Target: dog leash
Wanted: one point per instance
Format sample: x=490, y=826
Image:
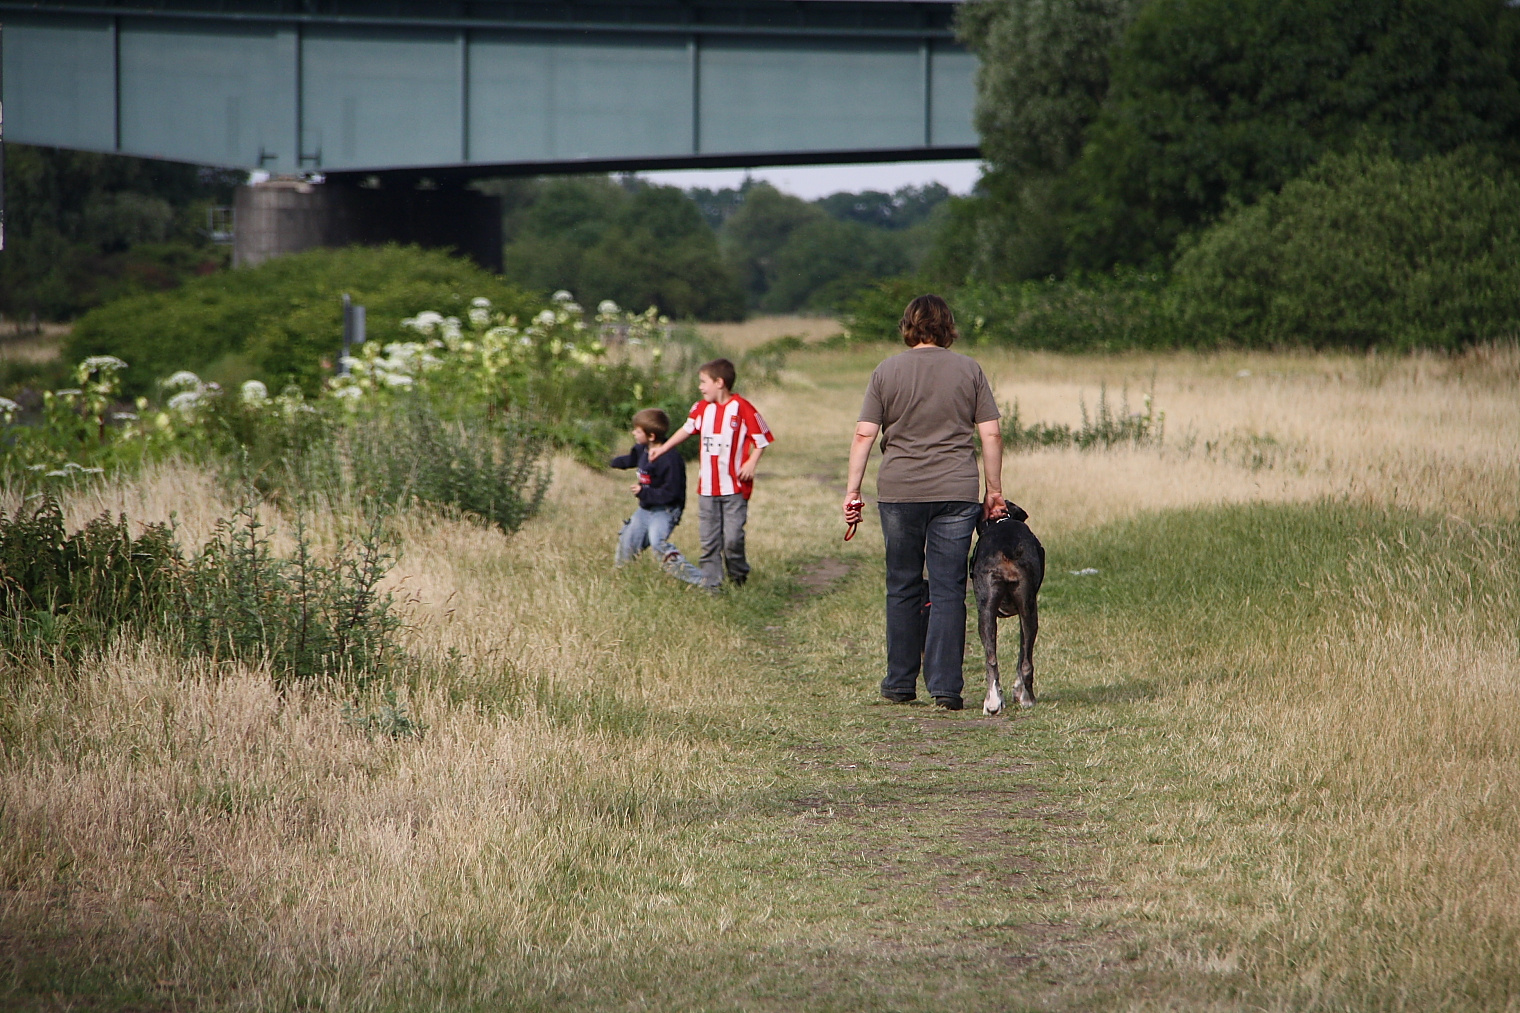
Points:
x=850, y=526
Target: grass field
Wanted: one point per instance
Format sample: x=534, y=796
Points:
x=1273, y=766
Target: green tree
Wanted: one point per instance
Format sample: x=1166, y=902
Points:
x=1364, y=249
x=1212, y=105
x=1042, y=76
x=83, y=228
x=661, y=252
x=636, y=244
x=756, y=233
x=902, y=209
x=825, y=262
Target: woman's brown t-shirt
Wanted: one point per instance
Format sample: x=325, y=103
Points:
x=928, y=402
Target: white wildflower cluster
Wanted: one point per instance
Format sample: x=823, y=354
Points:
x=188, y=393
x=69, y=470
x=487, y=350
x=8, y=409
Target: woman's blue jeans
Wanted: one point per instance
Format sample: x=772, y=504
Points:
x=926, y=619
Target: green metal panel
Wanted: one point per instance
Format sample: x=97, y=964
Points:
x=381, y=97
x=805, y=95
x=60, y=81
x=952, y=97
x=223, y=94
x=545, y=98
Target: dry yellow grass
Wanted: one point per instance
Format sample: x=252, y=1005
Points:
x=32, y=348
x=741, y=337
x=1334, y=813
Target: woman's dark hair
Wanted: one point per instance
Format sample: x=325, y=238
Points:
x=928, y=318
x=720, y=369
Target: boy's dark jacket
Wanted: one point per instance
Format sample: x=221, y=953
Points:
x=662, y=483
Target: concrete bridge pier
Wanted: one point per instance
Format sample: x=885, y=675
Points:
x=288, y=215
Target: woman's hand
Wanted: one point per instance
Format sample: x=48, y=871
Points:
x=656, y=451
x=993, y=505
x=853, y=507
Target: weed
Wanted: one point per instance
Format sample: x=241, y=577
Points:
x=390, y=719
x=61, y=593
x=1103, y=429
x=304, y=617
x=492, y=469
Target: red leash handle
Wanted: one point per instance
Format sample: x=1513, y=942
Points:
x=849, y=525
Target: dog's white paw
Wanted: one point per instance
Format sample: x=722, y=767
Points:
x=993, y=705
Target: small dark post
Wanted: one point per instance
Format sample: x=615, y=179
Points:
x=348, y=334
x=353, y=331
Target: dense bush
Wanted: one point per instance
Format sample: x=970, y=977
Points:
x=1213, y=104
x=407, y=452
x=62, y=593
x=1097, y=313
x=280, y=321
x=1363, y=250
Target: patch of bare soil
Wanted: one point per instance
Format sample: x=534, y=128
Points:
x=820, y=577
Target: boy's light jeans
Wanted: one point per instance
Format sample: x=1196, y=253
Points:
x=650, y=528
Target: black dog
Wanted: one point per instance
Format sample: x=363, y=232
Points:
x=1007, y=568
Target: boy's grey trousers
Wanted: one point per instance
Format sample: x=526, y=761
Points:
x=721, y=521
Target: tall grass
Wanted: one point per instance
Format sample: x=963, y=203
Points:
x=1275, y=742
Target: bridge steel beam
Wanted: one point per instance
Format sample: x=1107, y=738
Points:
x=452, y=89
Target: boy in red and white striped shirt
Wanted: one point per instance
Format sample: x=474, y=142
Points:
x=733, y=438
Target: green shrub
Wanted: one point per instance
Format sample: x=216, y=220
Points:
x=1096, y=313
x=1103, y=429
x=491, y=468
x=302, y=616
x=281, y=320
x=874, y=312
x=1105, y=313
x=1363, y=250
x=61, y=593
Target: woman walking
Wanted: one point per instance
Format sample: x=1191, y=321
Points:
x=929, y=404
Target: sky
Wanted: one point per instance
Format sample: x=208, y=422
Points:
x=813, y=181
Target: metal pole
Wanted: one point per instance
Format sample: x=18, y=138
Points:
x=348, y=334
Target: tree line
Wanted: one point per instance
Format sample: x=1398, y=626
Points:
x=711, y=255
x=1325, y=172
x=85, y=229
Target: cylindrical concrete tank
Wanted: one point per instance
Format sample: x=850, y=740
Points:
x=279, y=217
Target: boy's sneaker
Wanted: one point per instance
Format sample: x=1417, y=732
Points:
x=949, y=703
x=899, y=697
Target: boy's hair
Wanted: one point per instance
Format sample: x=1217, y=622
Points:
x=653, y=421
x=720, y=369
x=928, y=318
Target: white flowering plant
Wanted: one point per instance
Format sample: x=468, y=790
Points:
x=562, y=374
x=577, y=376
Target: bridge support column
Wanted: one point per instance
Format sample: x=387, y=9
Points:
x=287, y=216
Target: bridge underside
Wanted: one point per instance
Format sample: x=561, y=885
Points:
x=462, y=88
